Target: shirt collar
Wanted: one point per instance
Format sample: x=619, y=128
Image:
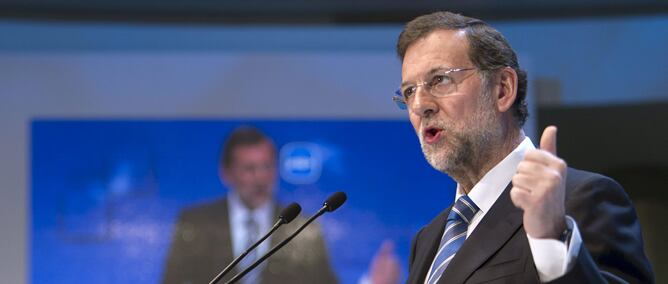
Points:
x=494, y=182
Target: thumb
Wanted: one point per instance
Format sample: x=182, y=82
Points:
x=548, y=141
x=387, y=247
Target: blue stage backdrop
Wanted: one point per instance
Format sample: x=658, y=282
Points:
x=106, y=193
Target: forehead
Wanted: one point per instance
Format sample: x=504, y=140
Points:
x=253, y=152
x=439, y=49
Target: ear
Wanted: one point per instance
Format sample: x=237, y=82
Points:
x=507, y=91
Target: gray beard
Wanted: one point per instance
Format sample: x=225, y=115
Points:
x=464, y=150
x=450, y=162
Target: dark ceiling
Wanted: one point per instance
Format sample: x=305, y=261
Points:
x=316, y=11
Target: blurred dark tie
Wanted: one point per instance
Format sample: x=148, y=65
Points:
x=252, y=233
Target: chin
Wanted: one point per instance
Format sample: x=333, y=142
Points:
x=260, y=202
x=442, y=158
x=438, y=161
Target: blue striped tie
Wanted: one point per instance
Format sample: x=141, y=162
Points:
x=454, y=236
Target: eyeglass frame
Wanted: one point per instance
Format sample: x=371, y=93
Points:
x=400, y=99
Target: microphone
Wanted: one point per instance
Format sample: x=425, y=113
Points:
x=286, y=215
x=332, y=203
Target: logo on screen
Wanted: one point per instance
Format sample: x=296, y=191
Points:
x=300, y=162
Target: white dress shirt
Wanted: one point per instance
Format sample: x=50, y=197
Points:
x=552, y=258
x=238, y=214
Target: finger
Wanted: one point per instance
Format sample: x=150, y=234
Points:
x=539, y=156
x=539, y=170
x=532, y=184
x=519, y=196
x=386, y=248
x=548, y=141
x=543, y=179
x=529, y=166
x=546, y=159
x=524, y=182
x=540, y=161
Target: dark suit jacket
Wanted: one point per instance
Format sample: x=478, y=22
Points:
x=498, y=250
x=202, y=247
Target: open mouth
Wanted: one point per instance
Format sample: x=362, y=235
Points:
x=432, y=135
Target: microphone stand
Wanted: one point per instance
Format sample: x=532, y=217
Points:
x=277, y=247
x=247, y=251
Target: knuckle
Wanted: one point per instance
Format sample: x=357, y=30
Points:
x=554, y=178
x=522, y=168
x=562, y=165
x=515, y=197
x=529, y=167
x=551, y=181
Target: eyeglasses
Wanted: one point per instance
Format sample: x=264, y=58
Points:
x=440, y=84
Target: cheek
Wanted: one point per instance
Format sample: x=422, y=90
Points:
x=271, y=176
x=415, y=121
x=460, y=111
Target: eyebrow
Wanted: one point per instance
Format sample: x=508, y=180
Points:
x=430, y=73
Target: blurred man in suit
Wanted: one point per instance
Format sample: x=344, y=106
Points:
x=520, y=214
x=208, y=237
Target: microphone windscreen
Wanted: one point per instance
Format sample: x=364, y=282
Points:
x=290, y=212
x=335, y=201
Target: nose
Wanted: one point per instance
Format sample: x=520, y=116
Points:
x=423, y=103
x=263, y=172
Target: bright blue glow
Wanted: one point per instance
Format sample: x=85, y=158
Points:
x=105, y=194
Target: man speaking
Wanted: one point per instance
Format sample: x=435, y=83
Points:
x=209, y=236
x=520, y=215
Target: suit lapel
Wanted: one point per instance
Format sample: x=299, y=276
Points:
x=221, y=239
x=494, y=230
x=427, y=246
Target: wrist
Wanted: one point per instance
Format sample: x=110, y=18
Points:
x=553, y=230
x=559, y=230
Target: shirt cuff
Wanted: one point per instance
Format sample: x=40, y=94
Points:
x=554, y=258
x=365, y=279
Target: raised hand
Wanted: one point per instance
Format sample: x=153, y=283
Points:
x=539, y=188
x=385, y=267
